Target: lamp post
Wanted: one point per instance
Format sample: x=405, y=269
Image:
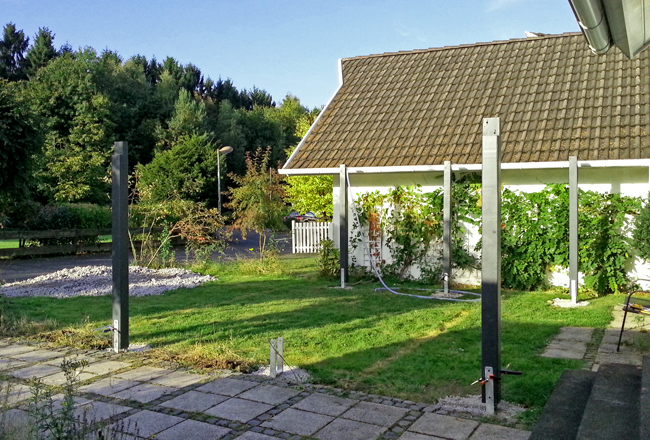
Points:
x=222, y=150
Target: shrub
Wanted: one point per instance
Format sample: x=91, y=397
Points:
x=329, y=260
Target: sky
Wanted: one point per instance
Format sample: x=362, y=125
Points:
x=281, y=46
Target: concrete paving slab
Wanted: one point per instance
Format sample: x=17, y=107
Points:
x=228, y=387
x=575, y=333
x=269, y=394
x=143, y=374
x=8, y=363
x=146, y=423
x=96, y=411
x=416, y=436
x=39, y=356
x=375, y=413
x=349, y=430
x=255, y=436
x=14, y=349
x=444, y=426
x=298, y=422
x=562, y=354
x=17, y=393
x=191, y=429
x=57, y=361
x=105, y=367
x=179, y=379
x=59, y=379
x=38, y=371
x=238, y=409
x=325, y=404
x=496, y=432
x=108, y=386
x=195, y=401
x=144, y=392
x=17, y=424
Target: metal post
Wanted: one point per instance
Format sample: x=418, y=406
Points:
x=446, y=227
x=219, y=181
x=491, y=255
x=573, y=229
x=343, y=224
x=120, y=246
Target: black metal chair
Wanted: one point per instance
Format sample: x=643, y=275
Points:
x=634, y=305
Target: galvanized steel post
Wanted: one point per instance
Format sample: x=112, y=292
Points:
x=343, y=224
x=573, y=228
x=446, y=227
x=120, y=246
x=491, y=255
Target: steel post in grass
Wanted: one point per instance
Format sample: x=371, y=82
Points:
x=446, y=226
x=120, y=246
x=573, y=228
x=491, y=255
x=343, y=224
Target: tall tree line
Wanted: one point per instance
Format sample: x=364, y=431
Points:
x=62, y=109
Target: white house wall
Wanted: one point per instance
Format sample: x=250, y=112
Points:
x=630, y=181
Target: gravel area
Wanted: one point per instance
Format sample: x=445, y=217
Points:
x=97, y=281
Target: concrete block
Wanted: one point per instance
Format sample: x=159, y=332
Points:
x=444, y=426
x=59, y=379
x=105, y=367
x=191, y=429
x=8, y=363
x=99, y=411
x=143, y=374
x=227, y=387
x=255, y=436
x=11, y=350
x=350, y=430
x=38, y=355
x=238, y=409
x=108, y=386
x=194, y=401
x=269, y=394
x=491, y=432
x=179, y=379
x=38, y=371
x=145, y=423
x=325, y=404
x=144, y=392
x=375, y=413
x=298, y=422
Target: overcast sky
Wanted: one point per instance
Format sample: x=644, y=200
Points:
x=282, y=46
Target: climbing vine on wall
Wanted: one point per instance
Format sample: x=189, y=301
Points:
x=411, y=222
x=535, y=232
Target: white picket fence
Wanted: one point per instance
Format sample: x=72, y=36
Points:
x=306, y=237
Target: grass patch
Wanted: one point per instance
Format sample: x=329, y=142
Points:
x=357, y=339
x=9, y=244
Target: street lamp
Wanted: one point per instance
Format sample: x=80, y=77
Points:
x=222, y=150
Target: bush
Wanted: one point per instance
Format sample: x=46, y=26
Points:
x=641, y=235
x=329, y=260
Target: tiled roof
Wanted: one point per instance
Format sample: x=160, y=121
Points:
x=554, y=97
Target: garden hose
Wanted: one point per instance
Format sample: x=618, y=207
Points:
x=392, y=290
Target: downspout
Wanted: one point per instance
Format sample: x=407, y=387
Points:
x=592, y=21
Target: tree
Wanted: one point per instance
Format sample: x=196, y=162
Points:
x=19, y=142
x=41, y=52
x=309, y=193
x=12, y=53
x=187, y=171
x=258, y=202
x=79, y=129
x=641, y=234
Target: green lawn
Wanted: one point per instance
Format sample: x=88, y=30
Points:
x=358, y=339
x=8, y=244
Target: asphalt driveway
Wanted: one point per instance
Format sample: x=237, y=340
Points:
x=26, y=268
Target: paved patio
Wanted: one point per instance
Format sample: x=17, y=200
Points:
x=136, y=401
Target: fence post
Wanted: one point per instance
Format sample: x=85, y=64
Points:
x=120, y=247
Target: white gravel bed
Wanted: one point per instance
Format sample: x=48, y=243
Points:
x=98, y=280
